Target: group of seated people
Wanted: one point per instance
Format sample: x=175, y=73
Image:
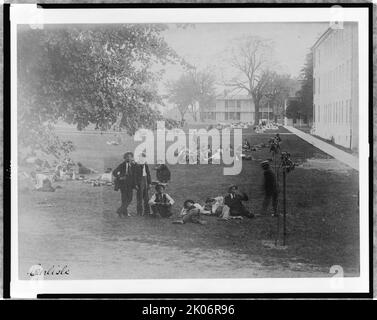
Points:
x=225, y=208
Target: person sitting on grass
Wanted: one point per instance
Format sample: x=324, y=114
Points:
x=161, y=202
x=191, y=213
x=246, y=145
x=234, y=200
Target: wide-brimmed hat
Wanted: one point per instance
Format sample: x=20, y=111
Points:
x=231, y=187
x=159, y=185
x=265, y=164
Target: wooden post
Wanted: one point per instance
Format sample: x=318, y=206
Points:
x=284, y=205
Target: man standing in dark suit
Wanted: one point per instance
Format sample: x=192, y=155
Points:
x=142, y=182
x=270, y=188
x=125, y=182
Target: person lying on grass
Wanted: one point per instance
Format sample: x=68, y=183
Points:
x=234, y=200
x=42, y=182
x=161, y=202
x=214, y=206
x=84, y=170
x=191, y=213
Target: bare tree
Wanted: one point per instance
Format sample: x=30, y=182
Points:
x=251, y=57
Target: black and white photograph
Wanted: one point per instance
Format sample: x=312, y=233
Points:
x=197, y=150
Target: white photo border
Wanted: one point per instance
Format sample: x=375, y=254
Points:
x=31, y=14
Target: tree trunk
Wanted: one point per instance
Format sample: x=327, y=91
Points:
x=256, y=118
x=201, y=115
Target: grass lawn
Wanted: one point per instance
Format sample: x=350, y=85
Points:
x=78, y=226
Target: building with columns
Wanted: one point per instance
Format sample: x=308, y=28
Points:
x=231, y=108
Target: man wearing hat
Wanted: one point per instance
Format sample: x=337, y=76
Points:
x=161, y=202
x=143, y=181
x=234, y=200
x=124, y=176
x=270, y=188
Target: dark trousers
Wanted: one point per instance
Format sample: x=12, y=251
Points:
x=241, y=211
x=193, y=215
x=164, y=210
x=143, y=197
x=266, y=202
x=126, y=196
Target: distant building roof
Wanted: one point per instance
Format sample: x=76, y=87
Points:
x=234, y=97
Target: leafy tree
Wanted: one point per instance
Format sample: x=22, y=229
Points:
x=294, y=109
x=306, y=92
x=278, y=90
x=88, y=75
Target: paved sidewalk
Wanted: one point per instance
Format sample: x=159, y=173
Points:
x=338, y=154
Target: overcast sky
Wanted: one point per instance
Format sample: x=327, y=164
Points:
x=204, y=44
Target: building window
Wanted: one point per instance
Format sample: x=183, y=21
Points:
x=332, y=113
x=226, y=104
x=350, y=111
x=238, y=104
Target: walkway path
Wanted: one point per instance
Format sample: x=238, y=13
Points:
x=338, y=154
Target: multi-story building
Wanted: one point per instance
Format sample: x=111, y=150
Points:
x=335, y=86
x=231, y=108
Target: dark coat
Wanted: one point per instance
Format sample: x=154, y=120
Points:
x=270, y=186
x=235, y=204
x=163, y=173
x=139, y=174
x=123, y=179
